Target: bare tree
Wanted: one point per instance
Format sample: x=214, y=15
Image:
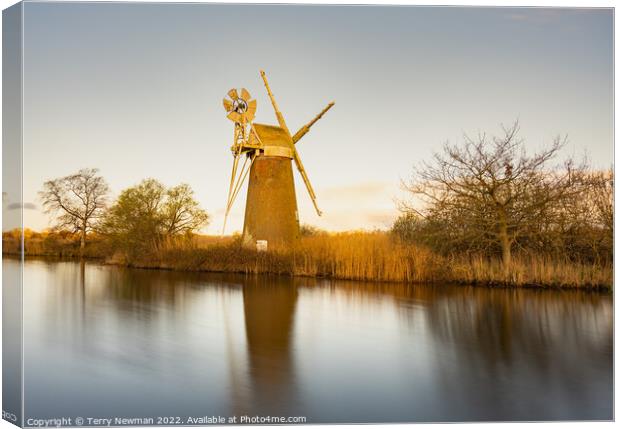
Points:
x=78, y=200
x=585, y=224
x=603, y=199
x=489, y=192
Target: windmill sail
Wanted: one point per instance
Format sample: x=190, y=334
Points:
x=304, y=130
x=296, y=138
x=304, y=176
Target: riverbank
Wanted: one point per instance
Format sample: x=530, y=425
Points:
x=366, y=256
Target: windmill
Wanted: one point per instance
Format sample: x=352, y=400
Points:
x=264, y=153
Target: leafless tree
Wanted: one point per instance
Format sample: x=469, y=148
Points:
x=603, y=199
x=585, y=224
x=489, y=192
x=77, y=200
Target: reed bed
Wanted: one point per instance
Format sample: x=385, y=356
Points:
x=532, y=271
x=366, y=256
x=375, y=256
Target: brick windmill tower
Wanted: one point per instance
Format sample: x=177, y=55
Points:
x=267, y=151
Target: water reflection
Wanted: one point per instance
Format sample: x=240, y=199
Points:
x=269, y=310
x=108, y=341
x=517, y=347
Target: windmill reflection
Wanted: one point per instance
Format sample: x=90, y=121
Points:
x=269, y=306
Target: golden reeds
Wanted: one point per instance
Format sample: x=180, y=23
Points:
x=372, y=256
x=375, y=256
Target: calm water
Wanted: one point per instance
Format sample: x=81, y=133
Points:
x=103, y=341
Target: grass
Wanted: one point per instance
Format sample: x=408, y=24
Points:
x=371, y=256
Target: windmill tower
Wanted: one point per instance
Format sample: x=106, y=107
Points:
x=267, y=151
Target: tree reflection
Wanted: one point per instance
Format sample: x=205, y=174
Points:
x=507, y=348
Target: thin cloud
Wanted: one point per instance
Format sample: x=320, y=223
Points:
x=346, y=220
x=544, y=15
x=25, y=206
x=516, y=17
x=363, y=190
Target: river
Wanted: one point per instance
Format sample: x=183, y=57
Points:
x=103, y=341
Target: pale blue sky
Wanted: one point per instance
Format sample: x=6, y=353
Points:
x=135, y=90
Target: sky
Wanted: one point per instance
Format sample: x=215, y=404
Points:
x=136, y=91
